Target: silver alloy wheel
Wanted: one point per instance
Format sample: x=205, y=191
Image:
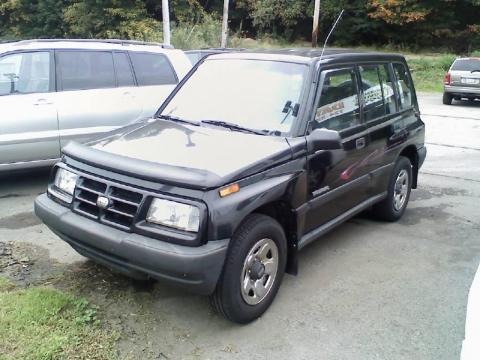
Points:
x=401, y=190
x=259, y=271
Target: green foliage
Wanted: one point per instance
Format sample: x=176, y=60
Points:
x=410, y=24
x=41, y=323
x=31, y=18
x=110, y=19
x=428, y=71
x=188, y=35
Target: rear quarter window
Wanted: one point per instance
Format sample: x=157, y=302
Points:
x=152, y=69
x=404, y=86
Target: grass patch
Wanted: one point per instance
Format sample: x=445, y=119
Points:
x=428, y=71
x=42, y=323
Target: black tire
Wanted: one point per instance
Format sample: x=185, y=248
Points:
x=227, y=299
x=387, y=209
x=447, y=99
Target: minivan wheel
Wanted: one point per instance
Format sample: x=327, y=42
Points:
x=399, y=187
x=447, y=99
x=253, y=270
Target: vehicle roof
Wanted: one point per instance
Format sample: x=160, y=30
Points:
x=308, y=55
x=468, y=58
x=213, y=50
x=92, y=44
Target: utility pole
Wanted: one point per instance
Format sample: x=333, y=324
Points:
x=225, y=24
x=316, y=15
x=166, y=22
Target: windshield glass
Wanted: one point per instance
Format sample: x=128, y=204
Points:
x=256, y=94
x=466, y=65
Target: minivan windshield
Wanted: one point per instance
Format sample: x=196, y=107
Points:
x=255, y=94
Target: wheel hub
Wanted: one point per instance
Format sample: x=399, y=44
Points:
x=257, y=270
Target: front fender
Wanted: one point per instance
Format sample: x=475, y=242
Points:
x=226, y=214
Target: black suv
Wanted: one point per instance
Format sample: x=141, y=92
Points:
x=251, y=158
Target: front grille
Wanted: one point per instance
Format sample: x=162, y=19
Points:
x=123, y=203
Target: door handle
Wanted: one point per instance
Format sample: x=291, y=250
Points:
x=360, y=143
x=129, y=94
x=42, y=102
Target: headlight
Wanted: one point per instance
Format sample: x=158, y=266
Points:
x=64, y=185
x=174, y=214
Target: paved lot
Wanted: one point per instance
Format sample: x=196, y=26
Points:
x=367, y=290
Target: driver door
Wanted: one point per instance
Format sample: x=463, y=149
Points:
x=338, y=181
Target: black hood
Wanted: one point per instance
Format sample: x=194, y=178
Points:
x=186, y=155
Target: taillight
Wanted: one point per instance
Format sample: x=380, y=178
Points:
x=448, y=79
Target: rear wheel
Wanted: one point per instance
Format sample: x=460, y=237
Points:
x=399, y=187
x=253, y=270
x=447, y=99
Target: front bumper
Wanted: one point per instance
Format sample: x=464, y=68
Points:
x=195, y=268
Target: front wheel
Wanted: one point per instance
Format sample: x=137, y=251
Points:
x=398, y=194
x=253, y=270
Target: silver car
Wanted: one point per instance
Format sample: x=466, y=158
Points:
x=462, y=80
x=54, y=91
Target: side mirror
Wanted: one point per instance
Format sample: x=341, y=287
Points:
x=324, y=139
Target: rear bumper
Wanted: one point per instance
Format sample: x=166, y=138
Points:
x=194, y=268
x=462, y=91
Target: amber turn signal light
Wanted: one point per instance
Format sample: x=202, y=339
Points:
x=231, y=189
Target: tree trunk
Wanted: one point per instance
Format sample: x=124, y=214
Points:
x=166, y=22
x=316, y=15
x=225, y=24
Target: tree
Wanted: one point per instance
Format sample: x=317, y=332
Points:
x=111, y=19
x=31, y=18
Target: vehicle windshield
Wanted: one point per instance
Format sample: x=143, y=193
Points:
x=466, y=65
x=255, y=94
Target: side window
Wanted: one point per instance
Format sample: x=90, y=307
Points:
x=152, y=69
x=404, y=85
x=378, y=92
x=123, y=69
x=338, y=107
x=82, y=70
x=25, y=73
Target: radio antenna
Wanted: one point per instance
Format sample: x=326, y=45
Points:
x=331, y=31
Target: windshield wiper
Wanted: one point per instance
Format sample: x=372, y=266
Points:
x=177, y=119
x=474, y=71
x=233, y=126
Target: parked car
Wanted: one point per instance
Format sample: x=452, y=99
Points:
x=54, y=91
x=196, y=55
x=462, y=81
x=247, y=162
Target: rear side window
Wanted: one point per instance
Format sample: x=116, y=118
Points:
x=404, y=85
x=25, y=73
x=466, y=65
x=82, y=70
x=152, y=69
x=123, y=70
x=338, y=107
x=377, y=86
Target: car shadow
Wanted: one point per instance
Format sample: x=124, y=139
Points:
x=22, y=183
x=466, y=103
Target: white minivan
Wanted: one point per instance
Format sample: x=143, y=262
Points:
x=54, y=91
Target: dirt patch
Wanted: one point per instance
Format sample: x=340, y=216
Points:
x=426, y=193
x=8, y=196
x=19, y=221
x=26, y=264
